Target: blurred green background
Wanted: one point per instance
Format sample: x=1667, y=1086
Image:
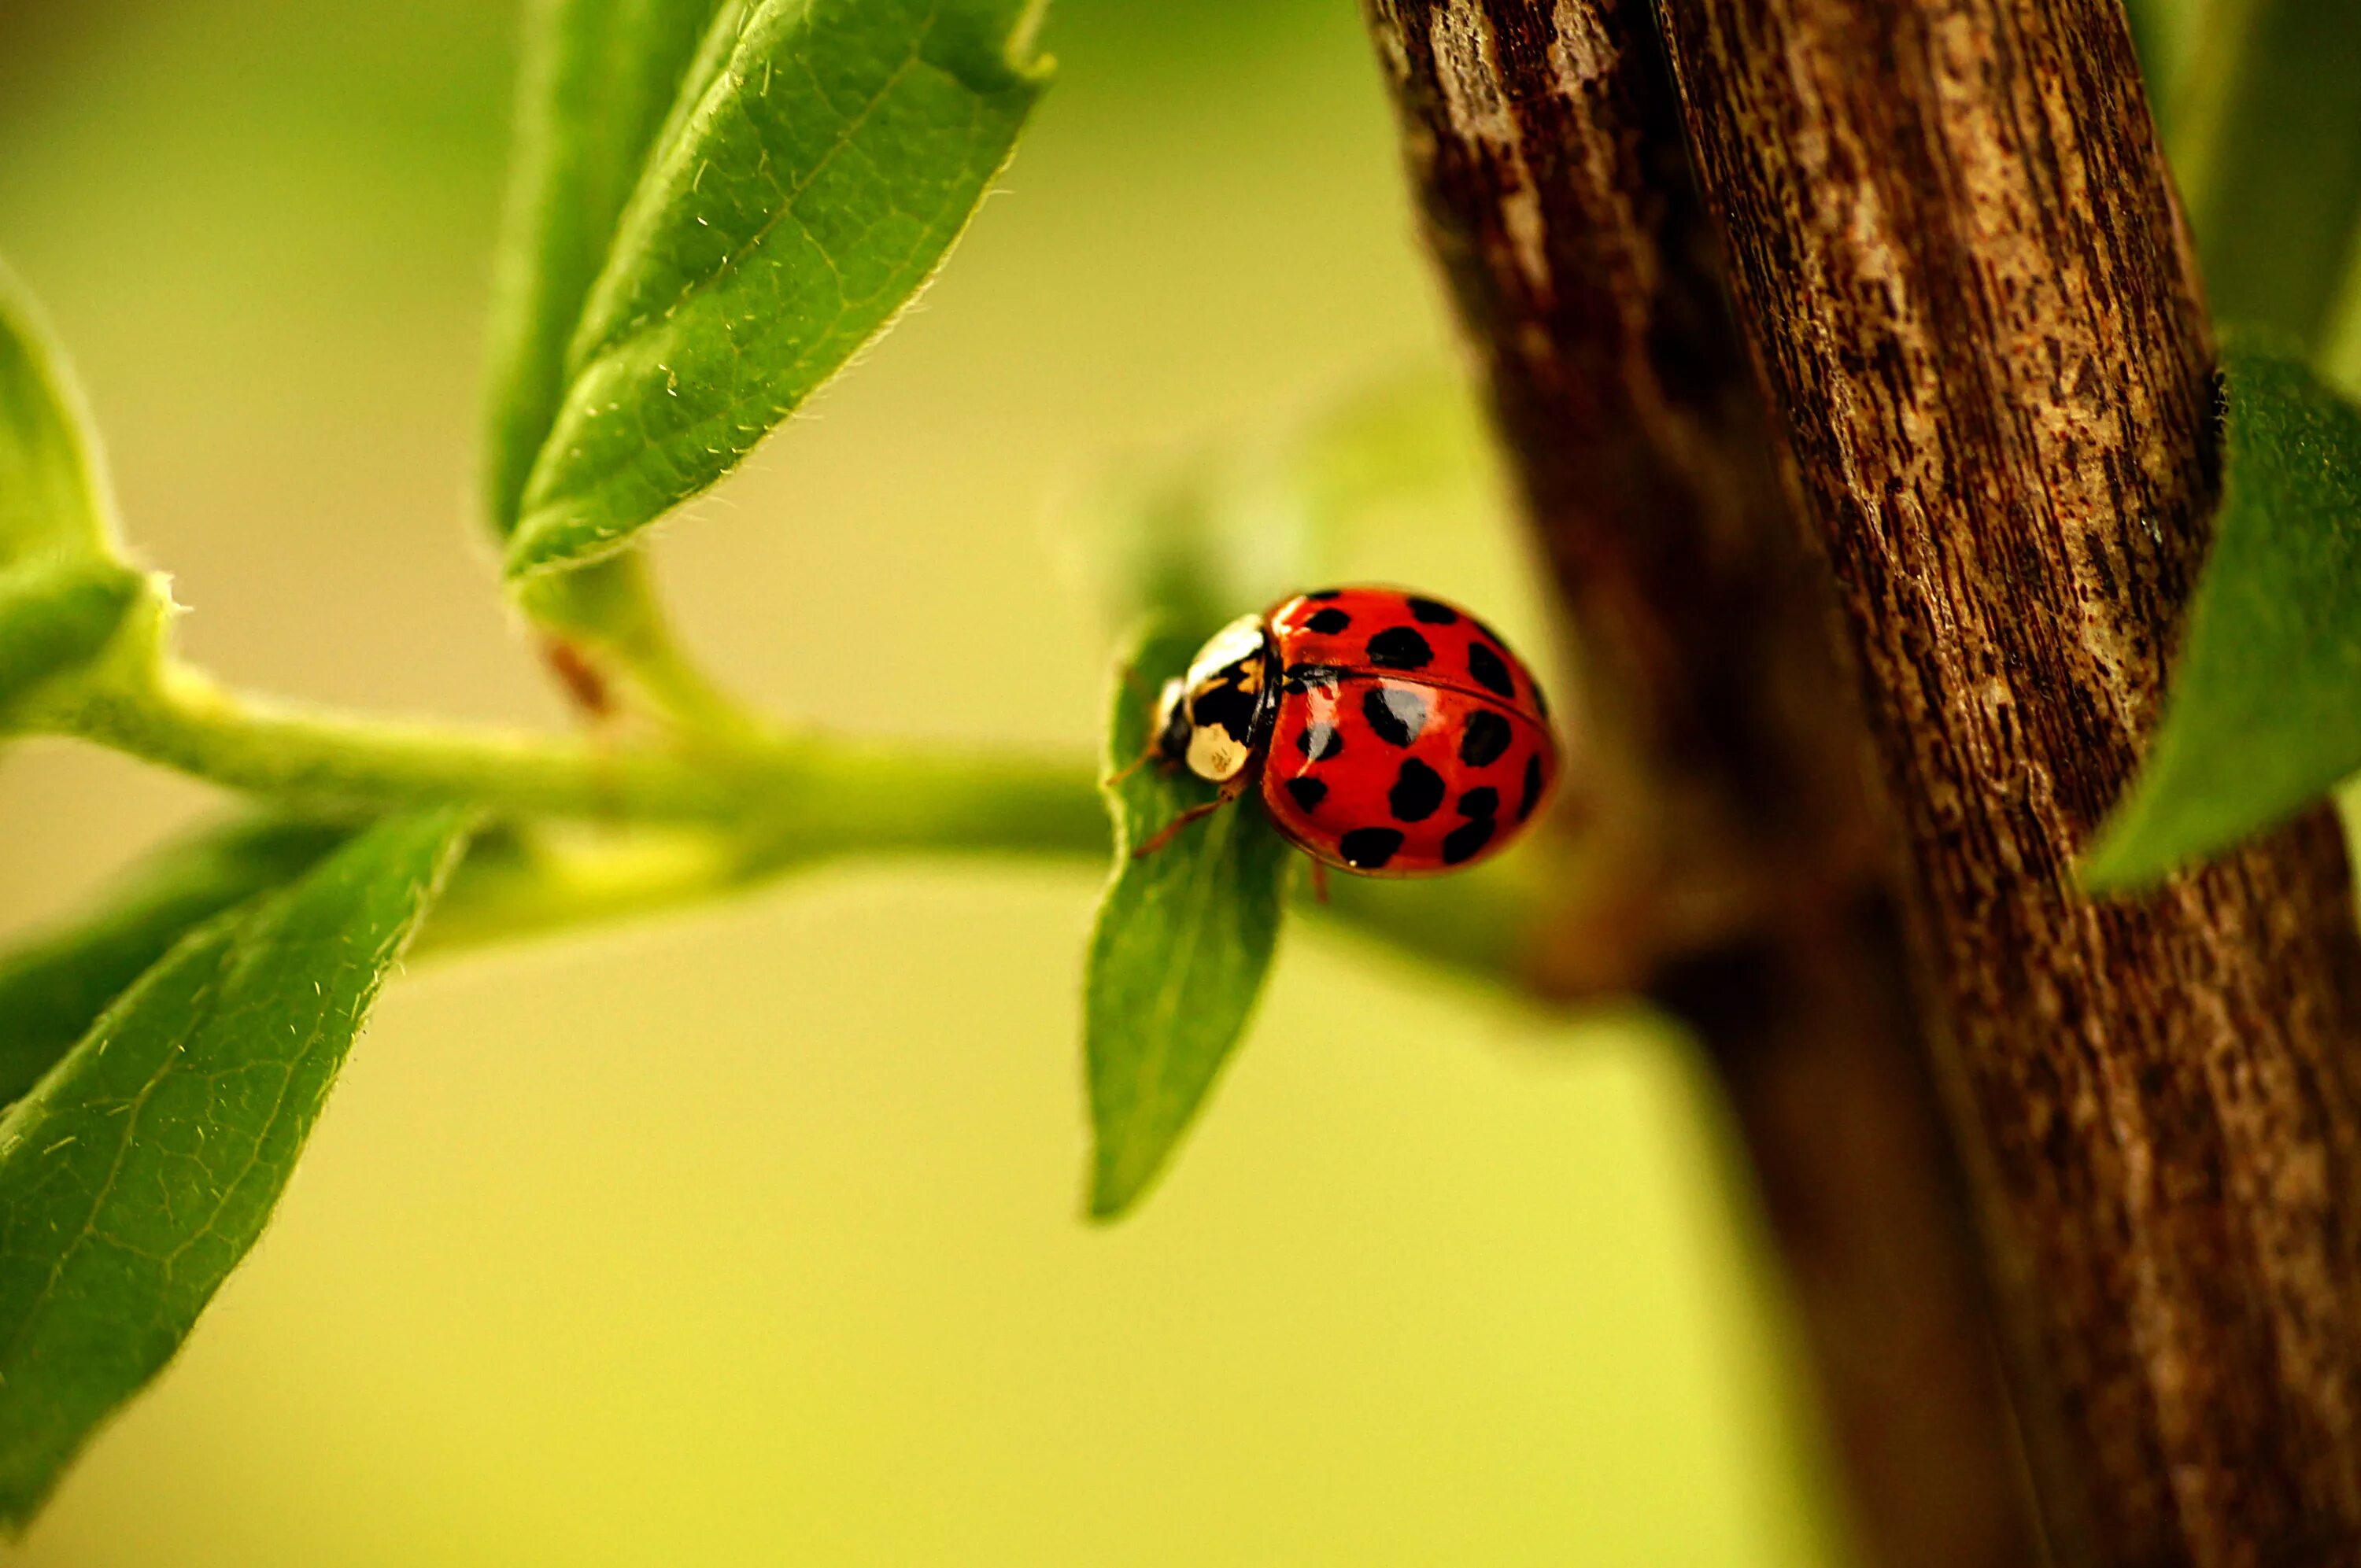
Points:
x=751, y=1236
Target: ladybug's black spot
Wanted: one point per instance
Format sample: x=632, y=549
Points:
x=1232, y=708
x=1319, y=742
x=1396, y=713
x=1323, y=593
x=1417, y=794
x=1487, y=736
x=1366, y=849
x=1480, y=802
x=1533, y=795
x=1329, y=621
x=1308, y=793
x=1300, y=678
x=1464, y=841
x=1429, y=611
x=1399, y=648
x=1487, y=668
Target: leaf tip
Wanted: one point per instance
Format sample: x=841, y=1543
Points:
x=1116, y=1187
x=2140, y=842
x=2114, y=866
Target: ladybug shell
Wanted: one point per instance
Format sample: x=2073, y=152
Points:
x=1405, y=740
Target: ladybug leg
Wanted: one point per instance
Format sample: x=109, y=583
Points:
x=1165, y=834
x=1319, y=880
x=1231, y=790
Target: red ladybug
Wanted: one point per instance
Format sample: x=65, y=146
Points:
x=1392, y=734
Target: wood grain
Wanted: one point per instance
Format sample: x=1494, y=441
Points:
x=1969, y=295
x=1737, y=873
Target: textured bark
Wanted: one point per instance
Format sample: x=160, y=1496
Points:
x=1966, y=284
x=1739, y=874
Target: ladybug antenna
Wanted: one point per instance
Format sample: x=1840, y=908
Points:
x=1131, y=767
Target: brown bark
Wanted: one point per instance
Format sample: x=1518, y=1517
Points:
x=1739, y=874
x=1963, y=275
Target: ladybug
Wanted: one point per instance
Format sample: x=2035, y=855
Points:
x=1391, y=734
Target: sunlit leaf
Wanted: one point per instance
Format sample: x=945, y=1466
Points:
x=64, y=592
x=1183, y=940
x=53, y=987
x=140, y=1171
x=816, y=185
x=599, y=80
x=2264, y=713
x=53, y=500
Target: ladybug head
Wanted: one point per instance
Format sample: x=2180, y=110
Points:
x=1212, y=719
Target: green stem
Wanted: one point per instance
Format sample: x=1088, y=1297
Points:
x=776, y=788
x=530, y=880
x=612, y=609
x=637, y=831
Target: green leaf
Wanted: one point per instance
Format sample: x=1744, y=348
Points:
x=2265, y=709
x=599, y=79
x=2269, y=151
x=58, y=614
x=815, y=186
x=53, y=498
x=1183, y=940
x=54, y=988
x=64, y=590
x=140, y=1171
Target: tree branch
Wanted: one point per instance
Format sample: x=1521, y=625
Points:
x=1959, y=258
x=1743, y=880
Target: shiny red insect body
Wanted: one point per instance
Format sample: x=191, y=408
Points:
x=1390, y=734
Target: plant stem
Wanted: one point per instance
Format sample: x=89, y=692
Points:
x=804, y=789
x=613, y=610
x=640, y=830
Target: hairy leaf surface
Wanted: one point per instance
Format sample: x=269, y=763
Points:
x=814, y=186
x=139, y=1171
x=1184, y=940
x=599, y=79
x=53, y=989
x=2265, y=710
